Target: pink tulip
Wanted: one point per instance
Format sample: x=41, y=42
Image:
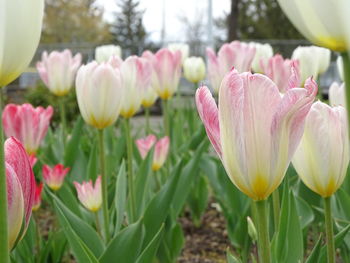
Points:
x=90, y=196
x=161, y=149
x=255, y=130
x=58, y=69
x=235, y=54
x=280, y=70
x=26, y=123
x=20, y=189
x=32, y=160
x=166, y=71
x=54, y=177
x=37, y=196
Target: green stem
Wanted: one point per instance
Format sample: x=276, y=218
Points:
x=329, y=230
x=158, y=183
x=147, y=115
x=63, y=119
x=4, y=238
x=263, y=232
x=98, y=227
x=276, y=208
x=130, y=169
x=104, y=185
x=346, y=69
x=165, y=104
x=38, y=237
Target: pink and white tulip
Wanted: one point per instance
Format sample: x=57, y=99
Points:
x=27, y=124
x=255, y=130
x=20, y=189
x=322, y=158
x=54, y=177
x=166, y=73
x=183, y=48
x=37, y=196
x=99, y=93
x=136, y=78
x=336, y=94
x=280, y=71
x=235, y=54
x=161, y=149
x=32, y=160
x=58, y=69
x=89, y=195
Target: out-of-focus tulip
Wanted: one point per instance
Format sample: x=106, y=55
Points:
x=235, y=54
x=322, y=158
x=183, y=48
x=255, y=130
x=58, y=70
x=166, y=72
x=105, y=52
x=26, y=123
x=322, y=21
x=54, y=177
x=90, y=196
x=136, y=77
x=37, y=197
x=32, y=160
x=340, y=67
x=336, y=94
x=194, y=69
x=262, y=53
x=161, y=149
x=149, y=96
x=20, y=189
x=281, y=70
x=19, y=37
x=99, y=94
x=312, y=61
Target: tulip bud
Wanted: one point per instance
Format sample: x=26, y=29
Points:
x=262, y=53
x=99, y=94
x=252, y=230
x=20, y=29
x=54, y=177
x=32, y=160
x=27, y=124
x=322, y=158
x=312, y=61
x=336, y=94
x=58, y=69
x=90, y=196
x=183, y=48
x=37, y=196
x=194, y=69
x=104, y=53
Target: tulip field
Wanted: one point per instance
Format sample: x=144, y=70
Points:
x=257, y=145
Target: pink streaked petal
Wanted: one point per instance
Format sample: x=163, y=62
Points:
x=144, y=145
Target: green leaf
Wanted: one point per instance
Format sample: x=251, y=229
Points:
x=71, y=146
x=315, y=253
x=304, y=211
x=231, y=258
x=126, y=245
x=149, y=253
x=120, y=197
x=92, y=166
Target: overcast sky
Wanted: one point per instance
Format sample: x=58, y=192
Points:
x=173, y=9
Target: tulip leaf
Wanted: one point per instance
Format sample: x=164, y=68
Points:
x=304, y=211
x=126, y=245
x=92, y=165
x=72, y=144
x=150, y=251
x=315, y=253
x=231, y=258
x=120, y=197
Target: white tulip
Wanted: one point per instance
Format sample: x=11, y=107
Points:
x=336, y=94
x=262, y=53
x=194, y=69
x=340, y=67
x=105, y=52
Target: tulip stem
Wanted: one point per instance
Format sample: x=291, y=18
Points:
x=263, y=232
x=63, y=119
x=346, y=69
x=4, y=239
x=147, y=116
x=98, y=227
x=276, y=208
x=130, y=170
x=165, y=104
x=104, y=185
x=329, y=230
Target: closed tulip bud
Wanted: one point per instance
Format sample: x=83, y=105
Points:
x=194, y=69
x=262, y=53
x=54, y=177
x=340, y=67
x=322, y=158
x=99, y=94
x=105, y=52
x=166, y=72
x=281, y=71
x=20, y=29
x=312, y=61
x=255, y=130
x=252, y=230
x=32, y=160
x=235, y=54
x=136, y=77
x=27, y=124
x=37, y=197
x=58, y=70
x=20, y=189
x=161, y=149
x=183, y=48
x=336, y=94
x=89, y=195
